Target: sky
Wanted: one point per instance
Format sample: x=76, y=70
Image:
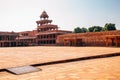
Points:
x=21, y=15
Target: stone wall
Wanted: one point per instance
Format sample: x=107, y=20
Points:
x=89, y=38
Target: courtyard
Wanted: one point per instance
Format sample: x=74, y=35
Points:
x=94, y=69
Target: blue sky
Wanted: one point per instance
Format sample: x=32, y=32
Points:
x=21, y=15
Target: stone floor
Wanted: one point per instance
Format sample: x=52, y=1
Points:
x=96, y=69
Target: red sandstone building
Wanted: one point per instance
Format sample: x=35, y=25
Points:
x=8, y=39
x=46, y=34
x=106, y=38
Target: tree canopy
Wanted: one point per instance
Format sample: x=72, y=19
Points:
x=107, y=27
x=80, y=30
x=84, y=30
x=95, y=29
x=77, y=30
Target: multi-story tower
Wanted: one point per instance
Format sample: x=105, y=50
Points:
x=47, y=32
x=45, y=24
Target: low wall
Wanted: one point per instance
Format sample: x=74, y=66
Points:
x=89, y=38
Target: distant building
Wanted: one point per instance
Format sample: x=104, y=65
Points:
x=8, y=39
x=45, y=34
x=27, y=38
x=105, y=38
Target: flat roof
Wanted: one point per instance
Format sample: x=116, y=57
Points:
x=88, y=69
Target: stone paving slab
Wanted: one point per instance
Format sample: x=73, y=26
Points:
x=21, y=56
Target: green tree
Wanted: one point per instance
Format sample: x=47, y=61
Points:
x=103, y=29
x=95, y=29
x=109, y=27
x=77, y=30
x=84, y=30
x=91, y=29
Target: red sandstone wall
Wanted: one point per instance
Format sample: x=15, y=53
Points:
x=90, y=38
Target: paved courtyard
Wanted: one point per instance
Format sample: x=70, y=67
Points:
x=96, y=69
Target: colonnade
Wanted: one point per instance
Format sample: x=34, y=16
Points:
x=112, y=40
